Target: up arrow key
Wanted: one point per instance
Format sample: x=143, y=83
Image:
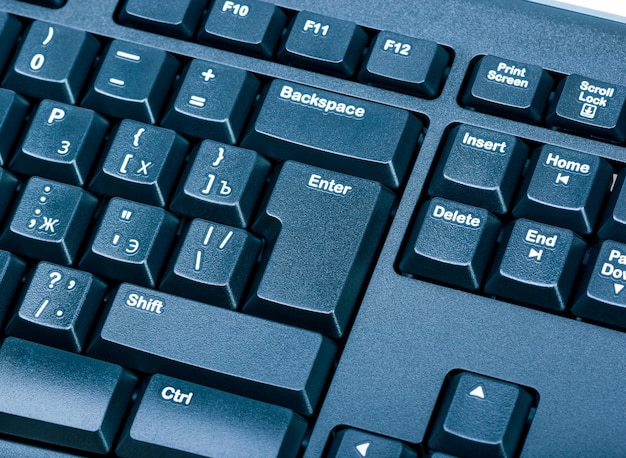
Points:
x=363, y=448
x=478, y=392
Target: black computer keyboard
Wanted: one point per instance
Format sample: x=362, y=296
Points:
x=320, y=229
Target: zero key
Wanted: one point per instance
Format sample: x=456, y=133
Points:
x=323, y=228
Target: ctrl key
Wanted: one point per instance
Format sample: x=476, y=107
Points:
x=195, y=420
x=480, y=416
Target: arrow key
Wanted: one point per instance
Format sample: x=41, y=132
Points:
x=564, y=187
x=602, y=296
x=480, y=416
x=353, y=443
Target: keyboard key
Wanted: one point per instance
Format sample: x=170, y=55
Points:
x=565, y=188
x=212, y=264
x=479, y=167
x=252, y=27
x=323, y=43
x=141, y=163
x=211, y=423
x=155, y=332
x=352, y=443
x=405, y=64
x=591, y=107
x=212, y=102
x=508, y=88
x=451, y=243
x=221, y=183
x=131, y=242
x=11, y=269
x=602, y=297
x=613, y=223
x=61, y=143
x=480, y=416
x=58, y=307
x=61, y=398
x=10, y=448
x=322, y=229
x=177, y=18
x=50, y=221
x=9, y=30
x=334, y=131
x=53, y=62
x=48, y=3
x=536, y=264
x=12, y=112
x=133, y=82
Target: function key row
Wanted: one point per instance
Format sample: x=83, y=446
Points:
x=517, y=90
x=540, y=210
x=308, y=40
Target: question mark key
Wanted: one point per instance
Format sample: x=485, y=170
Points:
x=58, y=307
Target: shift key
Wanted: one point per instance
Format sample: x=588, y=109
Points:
x=334, y=131
x=154, y=332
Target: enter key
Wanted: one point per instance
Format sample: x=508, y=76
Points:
x=323, y=229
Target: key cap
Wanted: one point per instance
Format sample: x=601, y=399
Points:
x=536, y=264
x=155, y=332
x=58, y=307
x=208, y=423
x=590, y=107
x=12, y=112
x=451, y=243
x=11, y=269
x=352, y=443
x=212, y=102
x=252, y=27
x=343, y=134
x=613, y=223
x=61, y=398
x=479, y=167
x=212, y=264
x=131, y=242
x=50, y=221
x=177, y=18
x=133, y=82
x=53, y=62
x=406, y=64
x=61, y=143
x=322, y=229
x=141, y=163
x=601, y=296
x=9, y=30
x=10, y=448
x=480, y=416
x=564, y=187
x=509, y=88
x=323, y=43
x=222, y=183
x=8, y=183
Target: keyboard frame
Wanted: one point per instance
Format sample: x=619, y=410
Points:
x=416, y=332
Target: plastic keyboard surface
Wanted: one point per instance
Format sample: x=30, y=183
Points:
x=311, y=228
